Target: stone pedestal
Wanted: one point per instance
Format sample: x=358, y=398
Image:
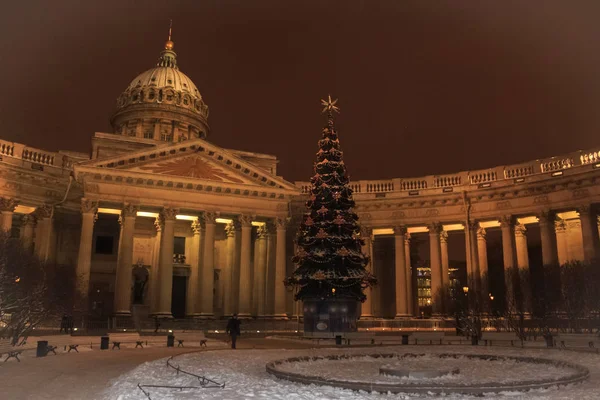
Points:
x=330, y=315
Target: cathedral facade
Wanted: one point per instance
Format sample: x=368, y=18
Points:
x=159, y=221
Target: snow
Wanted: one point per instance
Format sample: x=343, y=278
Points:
x=245, y=376
x=366, y=369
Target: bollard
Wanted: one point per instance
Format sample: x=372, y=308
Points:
x=104, y=343
x=42, y=348
x=338, y=340
x=170, y=341
x=474, y=340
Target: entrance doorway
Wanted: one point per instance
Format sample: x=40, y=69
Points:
x=178, y=296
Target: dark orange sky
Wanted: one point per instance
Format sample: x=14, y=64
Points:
x=425, y=87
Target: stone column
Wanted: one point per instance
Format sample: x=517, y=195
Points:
x=154, y=273
x=482, y=251
x=261, y=270
x=165, y=267
x=208, y=266
x=27, y=226
x=43, y=230
x=245, y=295
x=400, y=272
x=548, y=236
x=367, y=306
x=125, y=261
x=475, y=277
x=410, y=303
x=435, y=261
x=589, y=232
x=229, y=306
x=193, y=283
x=445, y=261
x=7, y=208
x=509, y=252
x=562, y=241
x=521, y=246
x=280, y=264
x=84, y=259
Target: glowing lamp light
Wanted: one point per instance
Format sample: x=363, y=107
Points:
x=147, y=214
x=17, y=279
x=186, y=217
x=466, y=289
x=216, y=331
x=170, y=331
x=333, y=290
x=74, y=329
x=428, y=302
x=257, y=331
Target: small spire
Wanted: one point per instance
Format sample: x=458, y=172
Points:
x=169, y=44
x=168, y=57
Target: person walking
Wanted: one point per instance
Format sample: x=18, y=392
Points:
x=233, y=329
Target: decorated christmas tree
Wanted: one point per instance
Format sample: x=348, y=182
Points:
x=330, y=272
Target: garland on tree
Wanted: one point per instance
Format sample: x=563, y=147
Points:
x=329, y=261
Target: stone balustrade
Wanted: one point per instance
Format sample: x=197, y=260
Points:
x=36, y=156
x=467, y=180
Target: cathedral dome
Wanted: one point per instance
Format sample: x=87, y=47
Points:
x=162, y=103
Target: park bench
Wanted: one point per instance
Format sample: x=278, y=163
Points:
x=579, y=342
x=10, y=351
x=508, y=337
x=199, y=337
x=427, y=337
x=125, y=337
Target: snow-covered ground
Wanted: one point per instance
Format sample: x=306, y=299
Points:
x=366, y=369
x=245, y=376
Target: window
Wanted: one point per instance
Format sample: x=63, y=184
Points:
x=179, y=245
x=131, y=132
x=104, y=244
x=149, y=134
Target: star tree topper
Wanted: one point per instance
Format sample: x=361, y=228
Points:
x=330, y=105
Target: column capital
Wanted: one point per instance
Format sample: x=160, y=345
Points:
x=520, y=230
x=434, y=228
x=262, y=232
x=196, y=226
x=400, y=230
x=129, y=210
x=481, y=233
x=209, y=218
x=584, y=209
x=366, y=231
x=168, y=214
x=560, y=225
x=281, y=223
x=507, y=221
x=245, y=220
x=8, y=204
x=89, y=206
x=42, y=212
x=546, y=217
x=158, y=224
x=232, y=227
x=444, y=237
x=473, y=225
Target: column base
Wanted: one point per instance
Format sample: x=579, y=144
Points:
x=366, y=317
x=123, y=313
x=205, y=316
x=403, y=316
x=162, y=315
x=244, y=316
x=283, y=317
x=194, y=315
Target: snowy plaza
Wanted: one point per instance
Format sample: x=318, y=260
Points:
x=244, y=374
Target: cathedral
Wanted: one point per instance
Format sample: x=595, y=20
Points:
x=158, y=221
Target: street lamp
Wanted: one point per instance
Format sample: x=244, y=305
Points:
x=466, y=290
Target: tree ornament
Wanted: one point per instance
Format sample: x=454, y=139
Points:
x=309, y=222
x=322, y=234
x=322, y=210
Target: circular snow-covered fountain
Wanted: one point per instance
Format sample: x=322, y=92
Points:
x=428, y=373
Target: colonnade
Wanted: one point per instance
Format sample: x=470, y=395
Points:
x=514, y=251
x=237, y=280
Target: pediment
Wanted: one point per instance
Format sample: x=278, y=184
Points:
x=195, y=159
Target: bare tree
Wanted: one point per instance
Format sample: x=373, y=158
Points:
x=31, y=291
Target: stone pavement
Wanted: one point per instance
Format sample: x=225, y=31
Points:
x=84, y=375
